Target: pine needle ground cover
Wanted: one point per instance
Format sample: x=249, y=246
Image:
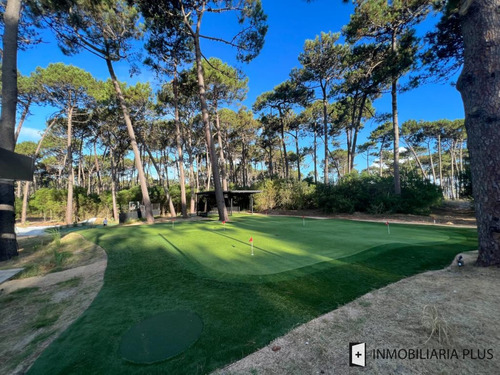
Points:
x=300, y=269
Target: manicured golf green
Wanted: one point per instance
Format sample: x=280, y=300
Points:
x=286, y=243
x=300, y=269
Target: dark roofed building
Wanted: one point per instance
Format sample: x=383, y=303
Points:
x=236, y=200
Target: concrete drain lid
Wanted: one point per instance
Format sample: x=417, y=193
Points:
x=161, y=337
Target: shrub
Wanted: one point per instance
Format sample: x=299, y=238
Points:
x=50, y=202
x=418, y=195
x=303, y=194
x=86, y=205
x=285, y=194
x=268, y=198
x=375, y=195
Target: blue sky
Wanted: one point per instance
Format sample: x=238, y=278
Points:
x=291, y=22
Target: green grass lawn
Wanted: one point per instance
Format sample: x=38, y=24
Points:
x=297, y=272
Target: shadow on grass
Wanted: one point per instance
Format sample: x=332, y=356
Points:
x=240, y=314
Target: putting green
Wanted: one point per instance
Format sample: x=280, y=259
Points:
x=156, y=268
x=160, y=337
x=287, y=243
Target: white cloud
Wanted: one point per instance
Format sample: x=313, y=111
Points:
x=29, y=134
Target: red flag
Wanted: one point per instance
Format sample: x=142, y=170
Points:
x=386, y=223
x=251, y=239
x=224, y=222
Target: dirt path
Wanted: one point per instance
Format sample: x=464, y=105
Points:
x=51, y=279
x=36, y=310
x=462, y=303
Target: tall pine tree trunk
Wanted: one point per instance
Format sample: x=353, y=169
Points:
x=208, y=170
x=243, y=162
x=395, y=125
x=98, y=170
x=165, y=187
x=283, y=145
x=315, y=156
x=452, y=175
x=24, y=209
x=24, y=114
x=417, y=160
x=171, y=207
x=8, y=242
x=180, y=156
x=298, y=155
x=432, y=163
x=130, y=129
x=461, y=157
x=479, y=85
x=192, y=180
x=348, y=135
x=192, y=186
x=222, y=160
x=380, y=156
x=199, y=170
x=357, y=126
x=440, y=156
x=325, y=131
x=219, y=195
x=80, y=166
x=271, y=161
x=116, y=215
x=71, y=170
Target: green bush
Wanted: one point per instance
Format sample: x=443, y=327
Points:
x=373, y=194
x=285, y=194
x=87, y=206
x=50, y=202
x=418, y=195
x=268, y=198
x=125, y=196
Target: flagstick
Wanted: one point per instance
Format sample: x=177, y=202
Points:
x=252, y=247
x=388, y=229
x=173, y=224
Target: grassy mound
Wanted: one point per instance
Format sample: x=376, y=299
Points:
x=54, y=252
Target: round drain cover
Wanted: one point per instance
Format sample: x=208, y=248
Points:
x=161, y=336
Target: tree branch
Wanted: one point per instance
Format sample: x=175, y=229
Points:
x=222, y=41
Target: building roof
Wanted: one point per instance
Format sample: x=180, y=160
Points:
x=229, y=192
